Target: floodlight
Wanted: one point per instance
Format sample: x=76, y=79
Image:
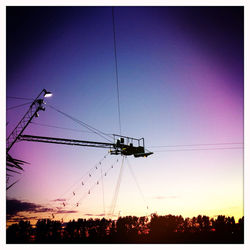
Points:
x=47, y=93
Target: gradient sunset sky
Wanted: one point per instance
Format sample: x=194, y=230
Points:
x=181, y=83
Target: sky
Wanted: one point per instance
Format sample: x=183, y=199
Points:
x=181, y=76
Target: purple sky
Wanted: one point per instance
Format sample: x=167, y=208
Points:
x=181, y=82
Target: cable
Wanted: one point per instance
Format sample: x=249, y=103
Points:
x=81, y=178
x=94, y=130
x=116, y=71
x=20, y=98
x=189, y=145
x=18, y=106
x=136, y=182
x=52, y=126
x=117, y=189
x=103, y=198
x=90, y=189
x=93, y=186
x=197, y=149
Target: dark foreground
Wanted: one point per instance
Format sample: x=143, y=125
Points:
x=131, y=229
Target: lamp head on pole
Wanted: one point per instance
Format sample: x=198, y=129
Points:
x=47, y=93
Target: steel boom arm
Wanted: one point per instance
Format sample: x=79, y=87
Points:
x=65, y=141
x=118, y=148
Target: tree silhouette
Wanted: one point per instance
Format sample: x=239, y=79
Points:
x=131, y=229
x=163, y=227
x=48, y=231
x=19, y=233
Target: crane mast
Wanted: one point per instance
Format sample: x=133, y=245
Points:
x=32, y=112
x=27, y=118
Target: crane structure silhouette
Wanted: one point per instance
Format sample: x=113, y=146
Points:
x=121, y=145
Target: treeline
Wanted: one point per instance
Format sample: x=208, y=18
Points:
x=131, y=229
